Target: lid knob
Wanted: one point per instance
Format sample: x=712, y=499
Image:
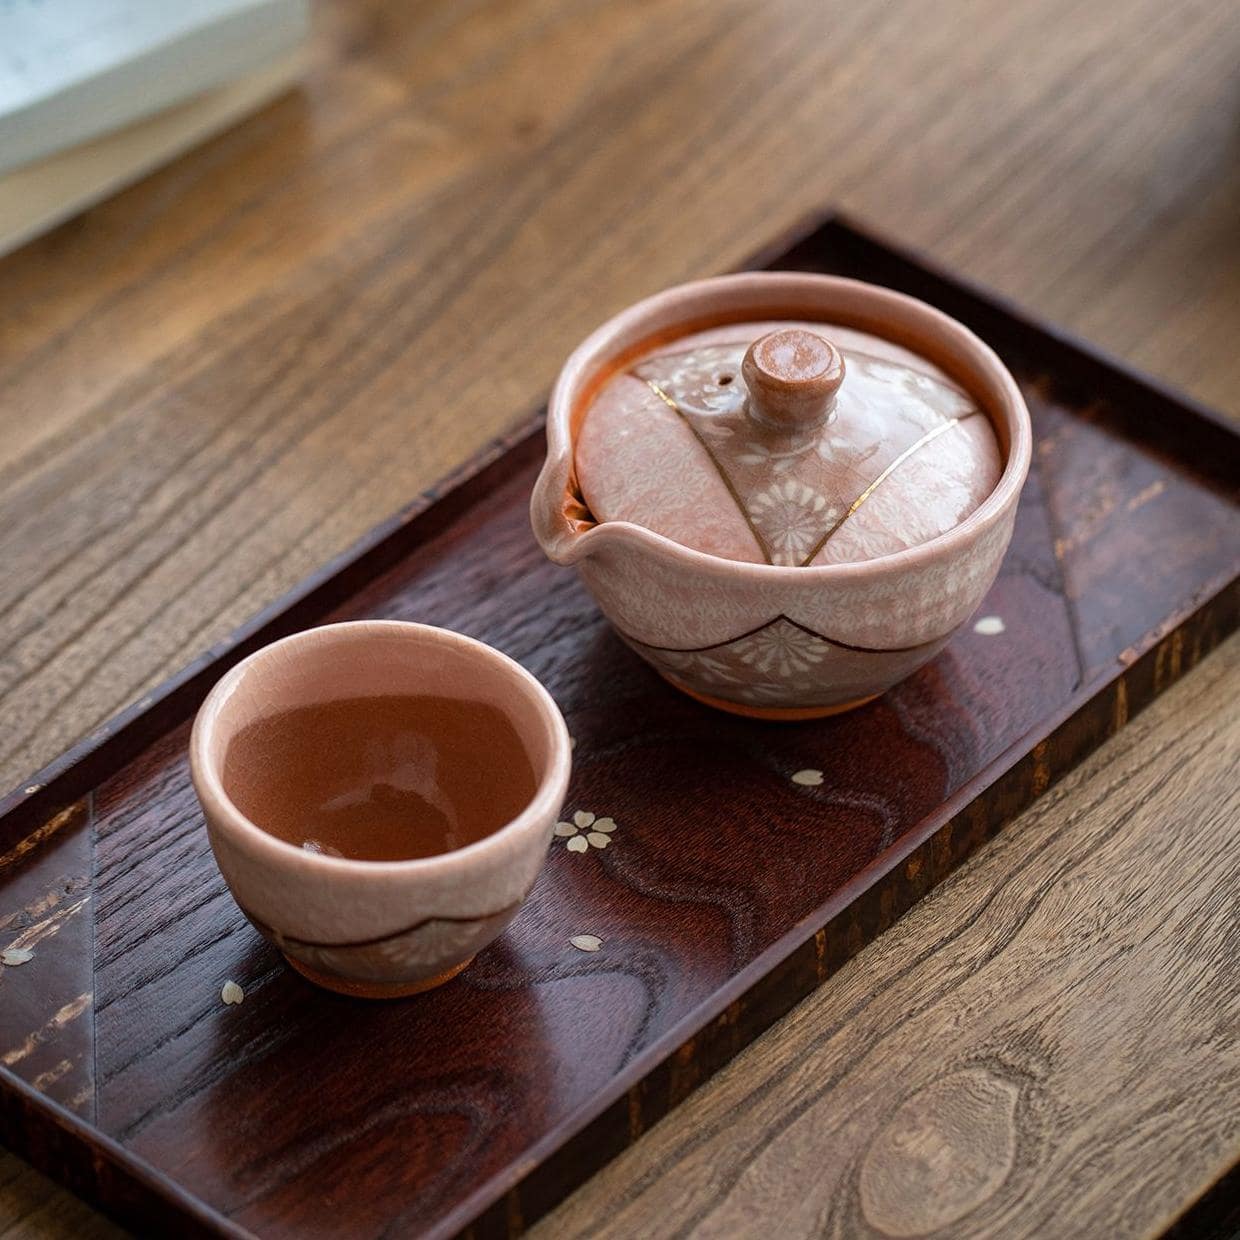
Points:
x=792, y=376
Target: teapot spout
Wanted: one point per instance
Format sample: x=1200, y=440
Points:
x=558, y=513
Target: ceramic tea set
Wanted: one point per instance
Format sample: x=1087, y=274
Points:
x=786, y=492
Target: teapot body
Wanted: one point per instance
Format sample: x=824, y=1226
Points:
x=788, y=649
x=768, y=639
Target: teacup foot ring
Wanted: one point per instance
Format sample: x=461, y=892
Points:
x=375, y=990
x=776, y=714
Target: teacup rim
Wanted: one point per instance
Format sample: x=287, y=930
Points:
x=546, y=801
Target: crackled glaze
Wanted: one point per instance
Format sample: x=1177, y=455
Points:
x=762, y=614
x=672, y=443
x=378, y=928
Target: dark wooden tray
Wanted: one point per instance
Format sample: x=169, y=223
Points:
x=728, y=893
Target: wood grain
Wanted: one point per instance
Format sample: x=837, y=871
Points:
x=220, y=378
x=728, y=890
x=33, y=1208
x=1045, y=1046
x=160, y=356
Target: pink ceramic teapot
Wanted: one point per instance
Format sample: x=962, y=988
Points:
x=786, y=491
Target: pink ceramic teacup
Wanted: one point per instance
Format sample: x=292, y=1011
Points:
x=379, y=928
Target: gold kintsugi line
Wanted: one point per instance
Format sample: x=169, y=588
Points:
x=727, y=482
x=914, y=447
x=664, y=397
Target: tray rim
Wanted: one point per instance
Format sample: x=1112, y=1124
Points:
x=199, y=1217
x=75, y=774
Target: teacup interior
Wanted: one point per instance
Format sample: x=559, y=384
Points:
x=380, y=742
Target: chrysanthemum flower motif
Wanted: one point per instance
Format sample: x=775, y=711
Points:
x=760, y=692
x=781, y=649
x=702, y=382
x=702, y=665
x=586, y=831
x=778, y=459
x=714, y=669
x=791, y=517
x=719, y=400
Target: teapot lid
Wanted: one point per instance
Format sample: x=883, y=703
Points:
x=786, y=442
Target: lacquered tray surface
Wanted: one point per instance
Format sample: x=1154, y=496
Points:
x=728, y=890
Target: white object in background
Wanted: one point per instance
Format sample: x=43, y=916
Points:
x=42, y=195
x=71, y=70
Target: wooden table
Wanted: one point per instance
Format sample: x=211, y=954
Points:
x=217, y=380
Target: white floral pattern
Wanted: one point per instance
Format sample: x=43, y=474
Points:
x=759, y=693
x=702, y=664
x=764, y=471
x=777, y=458
x=703, y=381
x=780, y=649
x=586, y=831
x=791, y=517
x=778, y=663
